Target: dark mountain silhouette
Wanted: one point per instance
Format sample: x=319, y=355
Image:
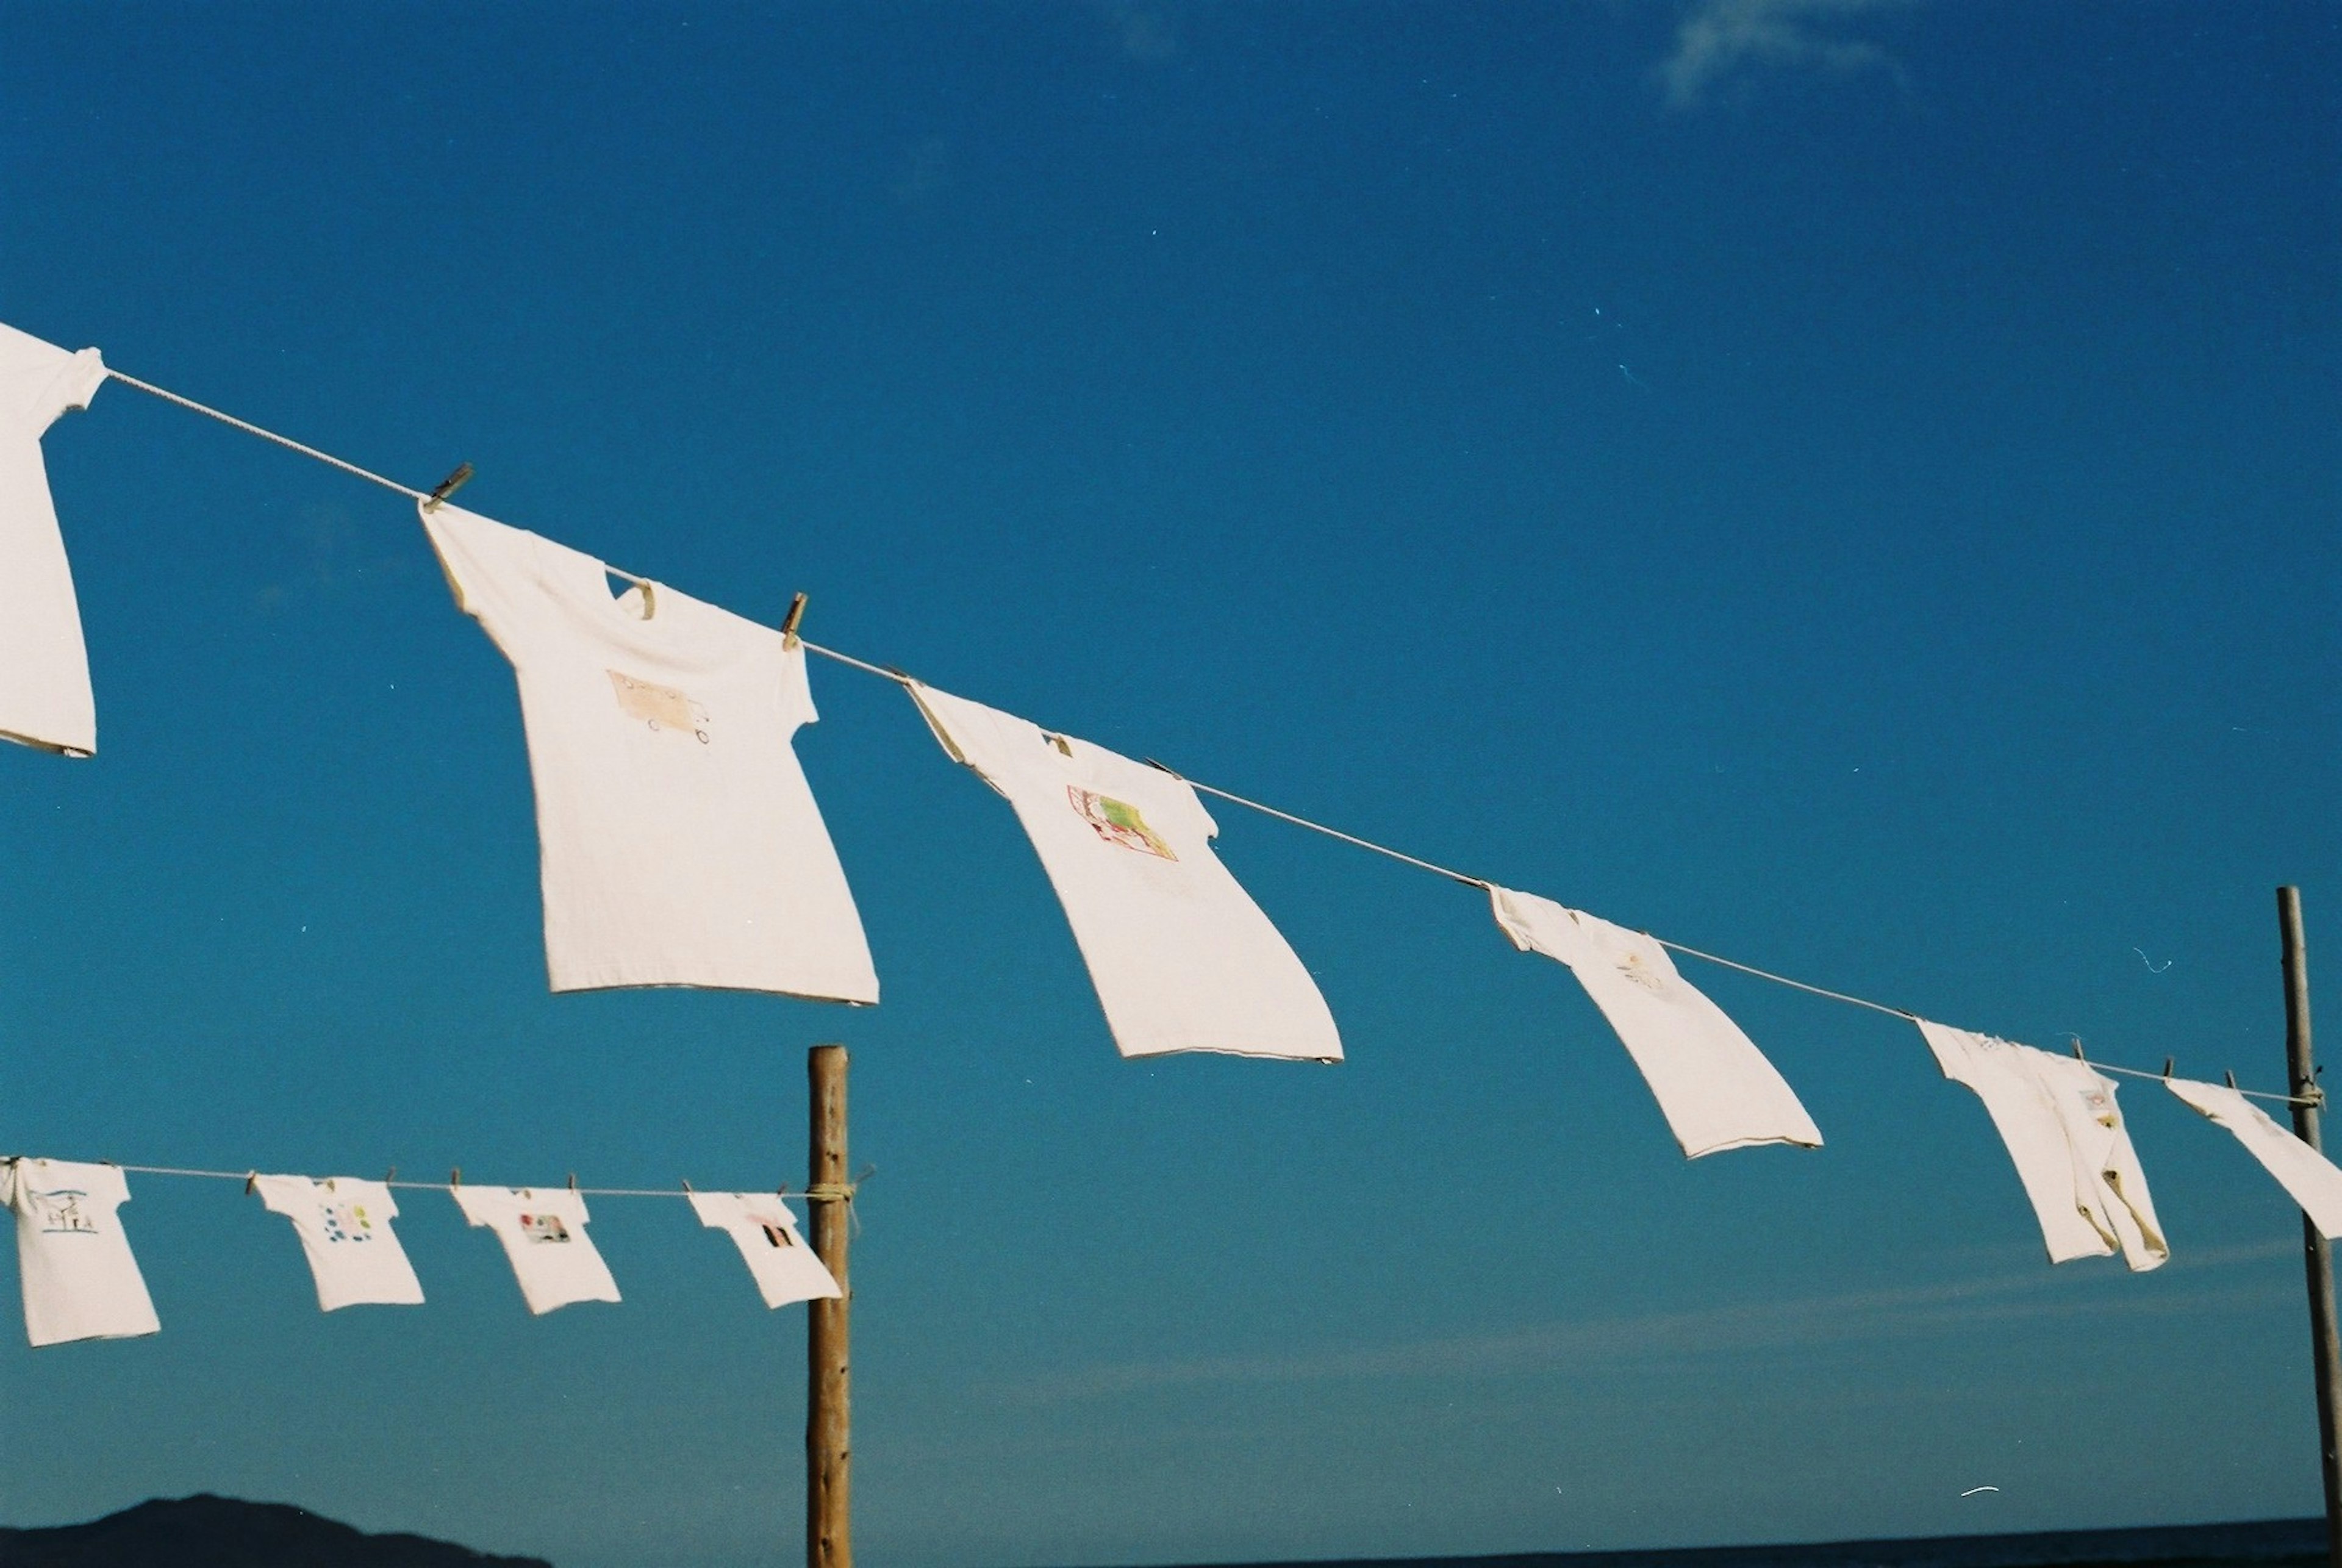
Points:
x=208, y=1532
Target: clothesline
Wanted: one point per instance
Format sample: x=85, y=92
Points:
x=2315, y=1096
x=822, y=1192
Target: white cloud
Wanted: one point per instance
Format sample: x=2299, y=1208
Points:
x=1723, y=38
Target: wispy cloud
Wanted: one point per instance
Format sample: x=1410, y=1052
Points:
x=1720, y=39
x=1805, y=1323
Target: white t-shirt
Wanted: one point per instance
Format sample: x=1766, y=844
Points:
x=760, y=1224
x=1182, y=958
x=2308, y=1177
x=45, y=699
x=681, y=844
x=1714, y=1087
x=544, y=1236
x=2064, y=1134
x=80, y=1280
x=344, y=1224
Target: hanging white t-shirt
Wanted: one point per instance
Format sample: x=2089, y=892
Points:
x=1715, y=1089
x=1182, y=958
x=681, y=844
x=2065, y=1135
x=80, y=1280
x=44, y=698
x=784, y=1268
x=544, y=1237
x=2308, y=1177
x=344, y=1224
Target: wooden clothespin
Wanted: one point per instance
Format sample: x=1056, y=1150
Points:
x=2231, y=1076
x=573, y=1181
x=2078, y=1048
x=790, y=622
x=449, y=487
x=686, y=1189
x=251, y=1183
x=2166, y=1068
x=390, y=1175
x=455, y=1177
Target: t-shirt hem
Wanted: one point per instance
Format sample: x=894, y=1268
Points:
x=609, y=980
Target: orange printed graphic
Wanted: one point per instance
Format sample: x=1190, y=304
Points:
x=660, y=707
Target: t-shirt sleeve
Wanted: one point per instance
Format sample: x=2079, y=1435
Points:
x=489, y=566
x=39, y=381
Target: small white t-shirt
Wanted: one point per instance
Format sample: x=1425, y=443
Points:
x=1182, y=958
x=80, y=1280
x=544, y=1237
x=680, y=842
x=784, y=1268
x=45, y=697
x=2308, y=1177
x=2065, y=1135
x=344, y=1224
x=1715, y=1089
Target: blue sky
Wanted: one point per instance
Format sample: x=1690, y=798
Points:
x=1848, y=486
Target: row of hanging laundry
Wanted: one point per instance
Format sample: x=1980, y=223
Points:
x=680, y=845
x=81, y=1280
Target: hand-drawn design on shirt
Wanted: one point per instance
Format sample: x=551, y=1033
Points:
x=346, y=1222
x=775, y=1236
x=659, y=707
x=543, y=1228
x=1646, y=975
x=1116, y=822
x=61, y=1214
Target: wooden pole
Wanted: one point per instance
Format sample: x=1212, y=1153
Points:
x=829, y=1403
x=2326, y=1352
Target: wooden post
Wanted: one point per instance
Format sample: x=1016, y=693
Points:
x=829, y=1454
x=2325, y=1353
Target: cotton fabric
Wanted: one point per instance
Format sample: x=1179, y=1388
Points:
x=344, y=1224
x=785, y=1269
x=79, y=1278
x=1715, y=1089
x=2064, y=1134
x=45, y=695
x=1182, y=958
x=680, y=843
x=544, y=1237
x=2308, y=1177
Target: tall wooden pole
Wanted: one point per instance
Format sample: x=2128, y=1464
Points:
x=829, y=1454
x=2301, y=1073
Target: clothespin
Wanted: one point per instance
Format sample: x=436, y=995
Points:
x=455, y=1177
x=2166, y=1068
x=449, y=487
x=390, y=1175
x=251, y=1183
x=2231, y=1077
x=2077, y=1038
x=686, y=1189
x=573, y=1181
x=789, y=621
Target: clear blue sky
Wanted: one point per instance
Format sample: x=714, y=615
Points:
x=1857, y=495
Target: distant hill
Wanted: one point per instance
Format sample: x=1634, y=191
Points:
x=208, y=1532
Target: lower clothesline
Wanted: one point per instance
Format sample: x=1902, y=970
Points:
x=2315, y=1095
x=819, y=1193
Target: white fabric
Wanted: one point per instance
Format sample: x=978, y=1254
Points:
x=344, y=1224
x=681, y=844
x=2058, y=1116
x=44, y=698
x=80, y=1280
x=1182, y=958
x=544, y=1236
x=784, y=1268
x=2308, y=1177
x=1714, y=1087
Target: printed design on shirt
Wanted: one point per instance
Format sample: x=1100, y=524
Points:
x=1642, y=973
x=662, y=708
x=543, y=1228
x=775, y=1236
x=345, y=1222
x=1117, y=821
x=61, y=1214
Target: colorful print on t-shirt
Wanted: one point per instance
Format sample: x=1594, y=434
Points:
x=1117, y=822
